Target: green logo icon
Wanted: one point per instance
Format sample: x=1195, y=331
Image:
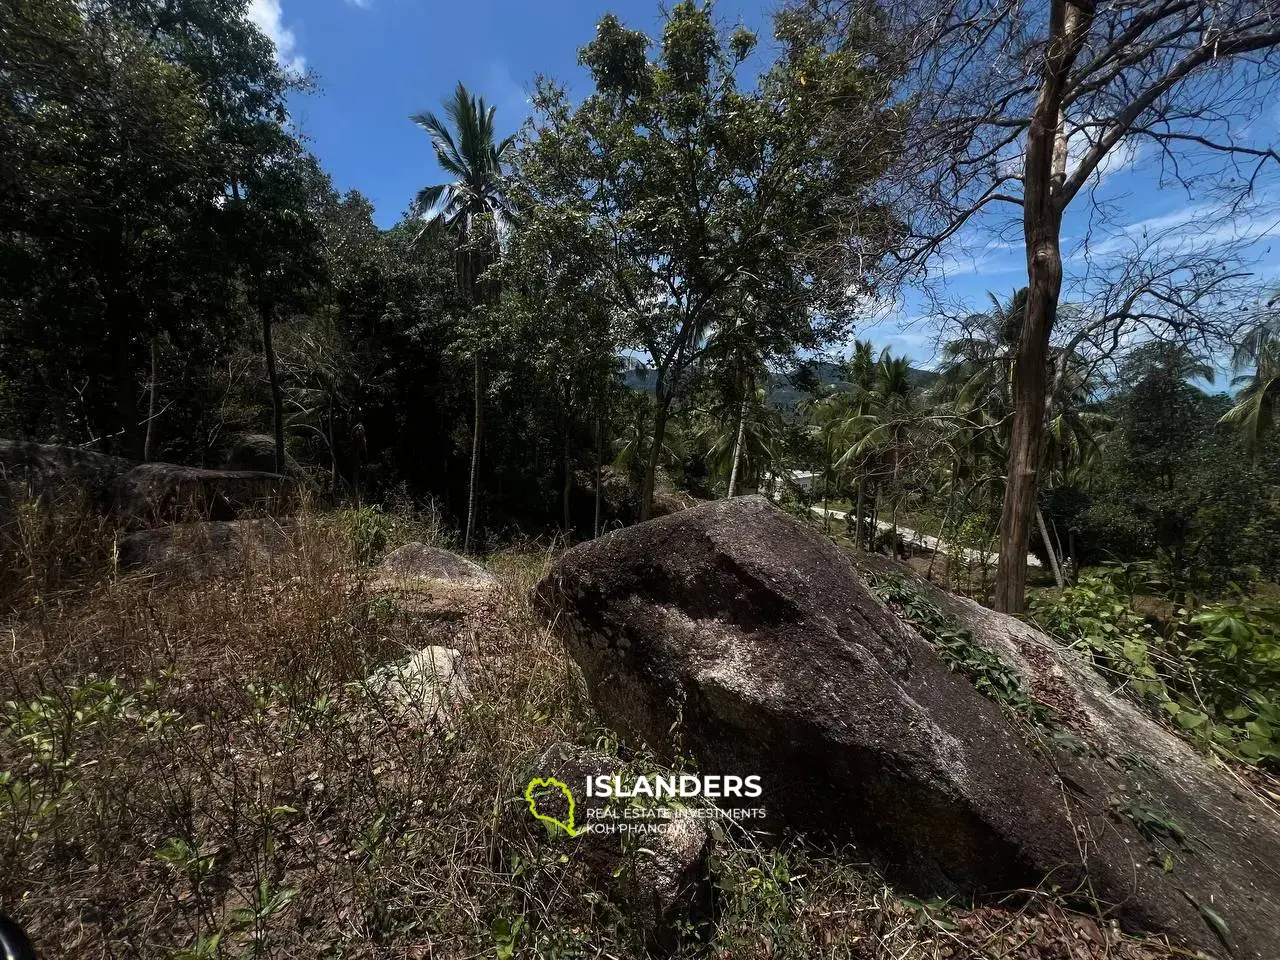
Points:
x=550, y=783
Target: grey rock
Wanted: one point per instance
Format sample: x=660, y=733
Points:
x=737, y=635
x=158, y=493
x=50, y=473
x=417, y=561
x=428, y=688
x=430, y=583
x=218, y=548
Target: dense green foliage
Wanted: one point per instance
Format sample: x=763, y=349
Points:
x=178, y=278
x=181, y=278
x=1175, y=485
x=1214, y=672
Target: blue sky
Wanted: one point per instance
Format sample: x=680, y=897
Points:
x=379, y=61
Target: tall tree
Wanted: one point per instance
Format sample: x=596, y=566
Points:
x=1257, y=363
x=126, y=129
x=691, y=192
x=977, y=383
x=277, y=213
x=1026, y=105
x=474, y=208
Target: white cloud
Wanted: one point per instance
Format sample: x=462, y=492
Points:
x=511, y=98
x=268, y=16
x=1080, y=140
x=1197, y=226
x=997, y=257
x=362, y=4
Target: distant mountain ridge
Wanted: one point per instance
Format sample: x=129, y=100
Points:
x=786, y=390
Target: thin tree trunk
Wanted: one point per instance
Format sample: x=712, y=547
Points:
x=893, y=519
x=1064, y=562
x=937, y=547
x=737, y=445
x=475, y=458
x=857, y=529
x=333, y=455
x=595, y=530
x=1044, y=169
x=1048, y=548
x=655, y=451
x=567, y=490
x=873, y=528
x=826, y=484
x=151, y=401
x=568, y=487
x=266, y=309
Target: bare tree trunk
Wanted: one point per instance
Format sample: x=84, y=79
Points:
x=937, y=547
x=893, y=537
x=266, y=309
x=737, y=445
x=567, y=490
x=873, y=521
x=595, y=530
x=1048, y=548
x=1028, y=421
x=151, y=402
x=1045, y=167
x=333, y=455
x=1064, y=562
x=475, y=458
x=655, y=451
x=857, y=528
x=826, y=486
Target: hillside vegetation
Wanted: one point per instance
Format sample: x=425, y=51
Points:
x=202, y=769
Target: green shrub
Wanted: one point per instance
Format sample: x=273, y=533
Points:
x=1096, y=616
x=368, y=531
x=1233, y=663
x=1216, y=676
x=374, y=530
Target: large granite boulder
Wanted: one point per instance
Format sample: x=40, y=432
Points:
x=735, y=634
x=39, y=471
x=423, y=581
x=159, y=493
x=215, y=548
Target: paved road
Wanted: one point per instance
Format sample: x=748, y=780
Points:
x=928, y=542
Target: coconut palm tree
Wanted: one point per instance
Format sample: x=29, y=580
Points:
x=744, y=449
x=474, y=210
x=977, y=382
x=1258, y=401
x=878, y=419
x=977, y=367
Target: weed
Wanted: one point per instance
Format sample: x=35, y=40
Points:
x=200, y=771
x=990, y=675
x=1215, y=678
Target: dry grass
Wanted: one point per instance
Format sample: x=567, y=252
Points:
x=196, y=770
